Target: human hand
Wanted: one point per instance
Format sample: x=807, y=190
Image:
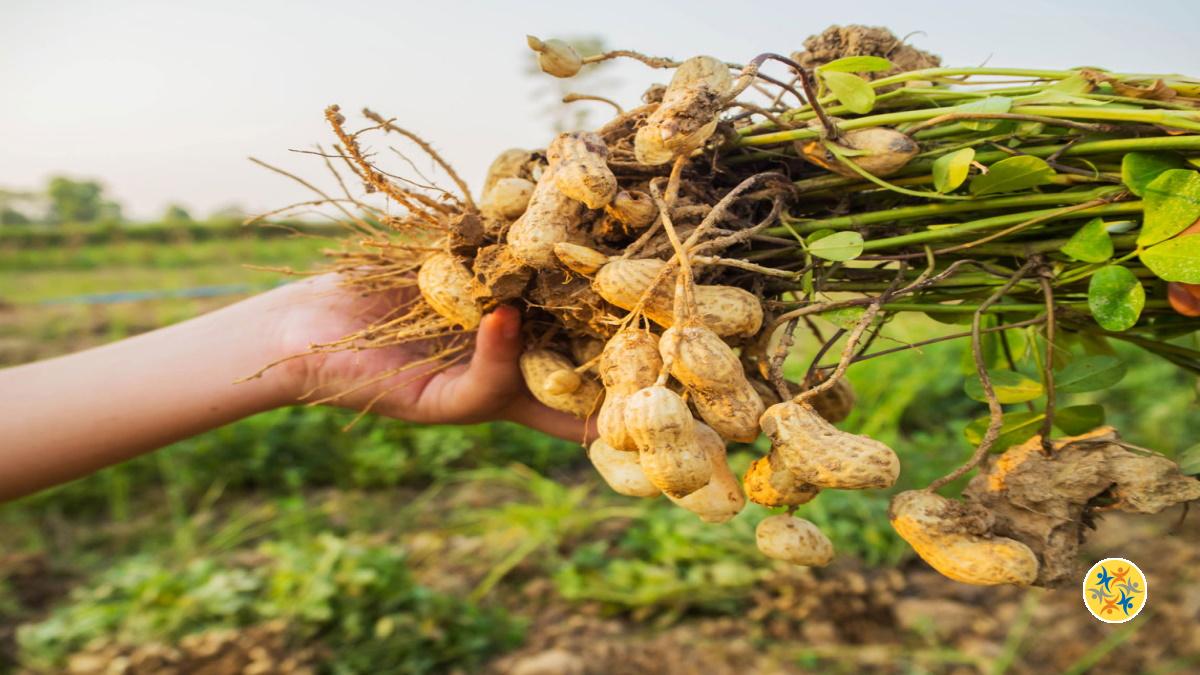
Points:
x=488, y=387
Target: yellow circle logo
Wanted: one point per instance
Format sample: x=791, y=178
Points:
x=1115, y=590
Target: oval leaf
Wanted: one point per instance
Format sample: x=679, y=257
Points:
x=1016, y=427
x=1089, y=373
x=857, y=64
x=838, y=246
x=854, y=92
x=1010, y=387
x=1172, y=202
x=1189, y=461
x=847, y=317
x=1175, y=259
x=1079, y=419
x=1116, y=298
x=950, y=171
x=1091, y=243
x=1011, y=174
x=1139, y=169
x=991, y=104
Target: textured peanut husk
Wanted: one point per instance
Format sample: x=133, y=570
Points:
x=1046, y=501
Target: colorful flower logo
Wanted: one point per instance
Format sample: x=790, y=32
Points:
x=1115, y=590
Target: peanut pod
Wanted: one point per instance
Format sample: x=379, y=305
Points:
x=721, y=499
x=687, y=116
x=552, y=379
x=820, y=454
x=770, y=487
x=661, y=425
x=555, y=57
x=727, y=310
x=877, y=150
x=713, y=376
x=633, y=208
x=512, y=163
x=793, y=540
x=580, y=162
x=628, y=363
x=621, y=470
x=507, y=199
x=953, y=538
x=549, y=219
x=446, y=283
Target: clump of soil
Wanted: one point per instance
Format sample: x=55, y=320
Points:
x=837, y=42
x=1046, y=500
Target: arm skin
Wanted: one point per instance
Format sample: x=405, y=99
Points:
x=69, y=416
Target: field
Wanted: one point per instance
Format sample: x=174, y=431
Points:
x=285, y=542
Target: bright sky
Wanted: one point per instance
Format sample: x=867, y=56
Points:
x=163, y=101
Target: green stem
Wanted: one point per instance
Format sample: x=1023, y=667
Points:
x=994, y=222
x=936, y=210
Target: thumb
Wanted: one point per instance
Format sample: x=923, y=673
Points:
x=493, y=375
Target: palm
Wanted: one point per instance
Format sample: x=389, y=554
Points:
x=389, y=380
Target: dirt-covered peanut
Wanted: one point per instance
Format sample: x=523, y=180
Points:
x=820, y=454
x=508, y=198
x=878, y=150
x=587, y=349
x=793, y=540
x=580, y=162
x=445, y=284
x=629, y=362
x=660, y=423
x=580, y=259
x=836, y=403
x=727, y=310
x=548, y=219
x=621, y=470
x=722, y=498
x=687, y=116
x=633, y=208
x=955, y=539
x=769, y=487
x=713, y=376
x=555, y=57
x=512, y=163
x=544, y=374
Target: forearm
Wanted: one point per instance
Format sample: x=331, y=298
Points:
x=69, y=416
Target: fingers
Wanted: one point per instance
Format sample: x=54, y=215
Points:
x=483, y=387
x=528, y=412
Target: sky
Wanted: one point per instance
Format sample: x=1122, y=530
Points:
x=164, y=101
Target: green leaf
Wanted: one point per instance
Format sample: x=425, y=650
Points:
x=1091, y=243
x=1172, y=202
x=1139, y=169
x=1116, y=298
x=818, y=235
x=847, y=317
x=991, y=104
x=1175, y=259
x=857, y=64
x=1009, y=385
x=1089, y=373
x=846, y=245
x=854, y=92
x=1189, y=460
x=1016, y=427
x=1079, y=419
x=1012, y=174
x=950, y=170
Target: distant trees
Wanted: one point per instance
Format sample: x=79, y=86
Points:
x=176, y=215
x=65, y=200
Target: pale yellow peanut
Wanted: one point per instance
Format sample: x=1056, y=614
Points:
x=629, y=362
x=820, y=454
x=770, y=487
x=878, y=151
x=549, y=374
x=445, y=284
x=555, y=57
x=937, y=528
x=727, y=310
x=661, y=425
x=687, y=116
x=721, y=499
x=508, y=198
x=580, y=163
x=713, y=376
x=548, y=220
x=580, y=259
x=622, y=471
x=793, y=540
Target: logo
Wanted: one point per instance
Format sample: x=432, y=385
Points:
x=1115, y=590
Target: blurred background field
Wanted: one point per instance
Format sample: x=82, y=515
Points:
x=284, y=540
